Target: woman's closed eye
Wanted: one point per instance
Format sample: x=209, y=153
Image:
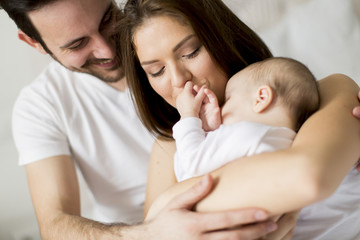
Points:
x=158, y=73
x=192, y=54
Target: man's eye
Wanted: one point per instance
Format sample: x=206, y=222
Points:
x=78, y=45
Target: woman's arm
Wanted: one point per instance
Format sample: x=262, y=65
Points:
x=186, y=224
x=325, y=149
x=161, y=171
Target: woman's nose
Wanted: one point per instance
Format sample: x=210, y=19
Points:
x=180, y=75
x=102, y=48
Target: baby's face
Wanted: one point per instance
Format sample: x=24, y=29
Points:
x=238, y=96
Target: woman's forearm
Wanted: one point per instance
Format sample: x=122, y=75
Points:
x=325, y=149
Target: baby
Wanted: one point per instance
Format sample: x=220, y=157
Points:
x=265, y=105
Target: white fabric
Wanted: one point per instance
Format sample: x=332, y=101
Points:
x=322, y=34
x=325, y=35
x=337, y=217
x=198, y=154
x=67, y=113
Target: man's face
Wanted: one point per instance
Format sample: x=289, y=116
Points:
x=78, y=34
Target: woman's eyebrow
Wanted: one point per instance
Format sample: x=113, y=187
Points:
x=148, y=62
x=174, y=49
x=182, y=42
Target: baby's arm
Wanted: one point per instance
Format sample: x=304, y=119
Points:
x=210, y=110
x=324, y=151
x=189, y=101
x=194, y=102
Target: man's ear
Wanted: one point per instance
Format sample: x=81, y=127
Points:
x=33, y=43
x=264, y=97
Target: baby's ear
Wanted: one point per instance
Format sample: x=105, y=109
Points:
x=264, y=97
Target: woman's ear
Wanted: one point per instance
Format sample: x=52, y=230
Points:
x=264, y=97
x=33, y=43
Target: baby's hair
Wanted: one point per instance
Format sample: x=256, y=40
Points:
x=293, y=84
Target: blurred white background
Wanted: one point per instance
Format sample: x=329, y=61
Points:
x=19, y=65
x=323, y=34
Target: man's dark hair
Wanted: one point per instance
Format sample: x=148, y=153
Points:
x=18, y=11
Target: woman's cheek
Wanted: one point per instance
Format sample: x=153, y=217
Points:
x=163, y=91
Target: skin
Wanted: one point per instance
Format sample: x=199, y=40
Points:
x=257, y=103
x=168, y=68
x=86, y=47
x=244, y=101
x=238, y=101
x=325, y=149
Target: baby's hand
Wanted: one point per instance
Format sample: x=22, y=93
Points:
x=188, y=102
x=210, y=110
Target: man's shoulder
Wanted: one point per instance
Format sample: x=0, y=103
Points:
x=54, y=82
x=55, y=78
x=51, y=74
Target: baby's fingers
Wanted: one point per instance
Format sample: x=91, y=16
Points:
x=211, y=96
x=200, y=94
x=196, y=88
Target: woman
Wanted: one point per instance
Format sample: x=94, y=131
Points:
x=168, y=43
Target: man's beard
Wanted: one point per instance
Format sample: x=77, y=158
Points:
x=86, y=68
x=104, y=77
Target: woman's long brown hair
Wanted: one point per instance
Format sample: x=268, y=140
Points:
x=231, y=44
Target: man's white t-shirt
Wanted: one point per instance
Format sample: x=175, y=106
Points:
x=68, y=113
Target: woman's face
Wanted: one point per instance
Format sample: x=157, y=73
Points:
x=171, y=54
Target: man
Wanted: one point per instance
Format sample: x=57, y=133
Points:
x=78, y=113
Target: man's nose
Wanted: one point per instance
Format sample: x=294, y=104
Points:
x=102, y=48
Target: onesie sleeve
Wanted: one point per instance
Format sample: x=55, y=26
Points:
x=189, y=136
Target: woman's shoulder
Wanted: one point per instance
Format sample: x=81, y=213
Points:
x=338, y=84
x=164, y=146
x=338, y=77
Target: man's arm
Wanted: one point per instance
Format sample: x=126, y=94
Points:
x=55, y=193
x=161, y=177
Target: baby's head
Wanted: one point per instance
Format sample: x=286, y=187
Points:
x=264, y=86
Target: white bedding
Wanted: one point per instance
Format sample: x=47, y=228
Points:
x=323, y=34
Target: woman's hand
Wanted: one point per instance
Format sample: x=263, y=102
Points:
x=356, y=113
x=356, y=110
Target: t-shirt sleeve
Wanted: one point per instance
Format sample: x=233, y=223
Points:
x=37, y=128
